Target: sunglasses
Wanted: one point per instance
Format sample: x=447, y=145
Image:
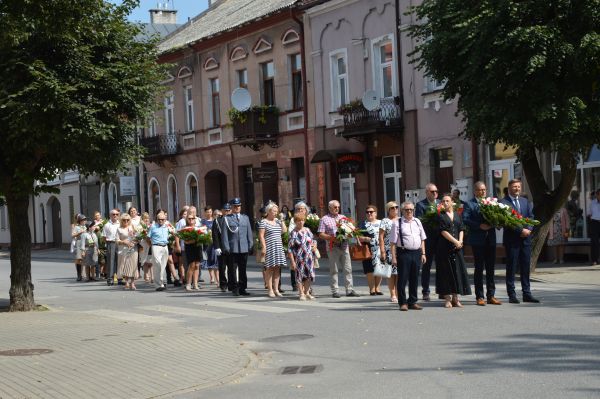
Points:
x=114, y=214
x=370, y=211
x=161, y=220
x=394, y=207
x=433, y=191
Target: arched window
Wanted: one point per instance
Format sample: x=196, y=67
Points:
x=112, y=196
x=173, y=206
x=192, y=194
x=154, y=195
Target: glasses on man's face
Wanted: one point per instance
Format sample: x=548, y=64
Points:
x=335, y=207
x=114, y=214
x=433, y=191
x=408, y=210
x=161, y=220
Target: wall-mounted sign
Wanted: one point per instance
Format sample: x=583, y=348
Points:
x=127, y=186
x=264, y=174
x=353, y=162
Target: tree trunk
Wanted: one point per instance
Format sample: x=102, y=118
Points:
x=546, y=202
x=21, y=288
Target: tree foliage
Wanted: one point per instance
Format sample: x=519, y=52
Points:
x=74, y=82
x=526, y=74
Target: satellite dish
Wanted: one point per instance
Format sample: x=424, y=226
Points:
x=371, y=100
x=240, y=99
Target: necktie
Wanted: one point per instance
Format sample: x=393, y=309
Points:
x=237, y=216
x=517, y=205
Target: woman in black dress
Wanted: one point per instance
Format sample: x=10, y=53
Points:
x=451, y=278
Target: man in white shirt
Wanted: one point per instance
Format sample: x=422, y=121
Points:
x=407, y=245
x=110, y=233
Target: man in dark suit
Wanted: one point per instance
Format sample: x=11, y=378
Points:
x=517, y=243
x=431, y=195
x=217, y=237
x=482, y=239
x=237, y=243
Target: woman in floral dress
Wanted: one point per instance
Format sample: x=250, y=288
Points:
x=301, y=245
x=127, y=252
x=391, y=209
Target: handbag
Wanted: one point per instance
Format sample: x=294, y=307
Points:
x=382, y=269
x=360, y=252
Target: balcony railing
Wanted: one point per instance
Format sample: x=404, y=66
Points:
x=359, y=121
x=162, y=145
x=256, y=127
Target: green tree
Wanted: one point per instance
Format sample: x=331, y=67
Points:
x=526, y=74
x=74, y=81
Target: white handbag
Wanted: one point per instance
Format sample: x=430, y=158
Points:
x=382, y=269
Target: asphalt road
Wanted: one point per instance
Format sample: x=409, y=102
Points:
x=364, y=347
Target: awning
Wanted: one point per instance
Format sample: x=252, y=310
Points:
x=325, y=156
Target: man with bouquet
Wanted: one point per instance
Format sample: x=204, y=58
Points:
x=517, y=242
x=338, y=252
x=238, y=241
x=482, y=239
x=426, y=212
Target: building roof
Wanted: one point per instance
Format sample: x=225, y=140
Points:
x=221, y=17
x=161, y=30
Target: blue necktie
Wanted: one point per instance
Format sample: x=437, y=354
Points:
x=517, y=205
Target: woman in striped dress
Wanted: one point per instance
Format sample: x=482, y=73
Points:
x=269, y=234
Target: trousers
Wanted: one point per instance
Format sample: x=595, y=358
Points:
x=236, y=271
x=160, y=256
x=340, y=259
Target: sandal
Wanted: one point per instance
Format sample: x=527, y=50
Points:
x=133, y=287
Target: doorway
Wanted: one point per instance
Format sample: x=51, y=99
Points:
x=347, y=199
x=55, y=221
x=215, y=188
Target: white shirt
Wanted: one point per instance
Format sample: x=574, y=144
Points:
x=110, y=231
x=412, y=233
x=594, y=211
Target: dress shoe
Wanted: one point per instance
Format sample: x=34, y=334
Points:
x=378, y=293
x=493, y=301
x=177, y=283
x=161, y=289
x=352, y=293
x=244, y=293
x=403, y=307
x=514, y=299
x=223, y=289
x=530, y=299
x=235, y=292
x=335, y=295
x=480, y=302
x=426, y=297
x=373, y=293
x=415, y=306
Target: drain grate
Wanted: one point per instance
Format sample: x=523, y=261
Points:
x=288, y=338
x=25, y=352
x=311, y=369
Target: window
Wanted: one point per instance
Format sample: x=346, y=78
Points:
x=392, y=179
x=268, y=83
x=242, y=76
x=151, y=127
x=169, y=113
x=339, y=79
x=215, y=102
x=383, y=67
x=189, y=109
x=499, y=152
x=296, y=70
x=112, y=196
x=154, y=191
x=432, y=85
x=214, y=137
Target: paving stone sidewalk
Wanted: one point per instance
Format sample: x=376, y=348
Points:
x=96, y=357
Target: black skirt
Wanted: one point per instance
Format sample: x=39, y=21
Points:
x=193, y=253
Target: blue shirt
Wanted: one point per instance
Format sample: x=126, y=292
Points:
x=159, y=235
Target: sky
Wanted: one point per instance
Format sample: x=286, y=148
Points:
x=185, y=9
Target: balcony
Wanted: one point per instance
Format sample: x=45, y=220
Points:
x=160, y=147
x=359, y=122
x=256, y=127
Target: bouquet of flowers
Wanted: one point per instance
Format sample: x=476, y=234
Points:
x=346, y=230
x=100, y=225
x=497, y=214
x=141, y=232
x=312, y=223
x=430, y=217
x=285, y=239
x=195, y=235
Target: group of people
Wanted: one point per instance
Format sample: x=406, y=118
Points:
x=402, y=239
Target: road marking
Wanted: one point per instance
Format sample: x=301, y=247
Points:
x=202, y=313
x=132, y=317
x=343, y=304
x=239, y=305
